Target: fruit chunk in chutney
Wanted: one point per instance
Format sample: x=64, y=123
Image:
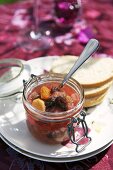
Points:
x=45, y=98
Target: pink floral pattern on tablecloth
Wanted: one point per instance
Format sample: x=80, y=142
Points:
x=97, y=22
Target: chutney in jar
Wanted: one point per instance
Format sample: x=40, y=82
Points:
x=48, y=109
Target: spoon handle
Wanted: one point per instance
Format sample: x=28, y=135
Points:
x=90, y=48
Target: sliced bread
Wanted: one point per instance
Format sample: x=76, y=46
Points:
x=94, y=100
x=96, y=91
x=93, y=73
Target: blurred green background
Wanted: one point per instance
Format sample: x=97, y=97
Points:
x=6, y=1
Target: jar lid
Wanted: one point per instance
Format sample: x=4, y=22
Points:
x=12, y=73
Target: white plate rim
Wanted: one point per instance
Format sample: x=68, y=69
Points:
x=49, y=159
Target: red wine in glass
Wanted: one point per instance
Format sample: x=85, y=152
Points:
x=67, y=11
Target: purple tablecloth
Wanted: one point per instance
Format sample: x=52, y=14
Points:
x=98, y=16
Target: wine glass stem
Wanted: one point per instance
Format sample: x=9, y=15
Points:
x=79, y=4
x=81, y=10
x=36, y=15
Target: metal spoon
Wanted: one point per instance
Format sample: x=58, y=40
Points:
x=90, y=48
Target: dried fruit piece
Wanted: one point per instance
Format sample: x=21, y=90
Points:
x=61, y=102
x=70, y=103
x=34, y=95
x=58, y=93
x=54, y=89
x=50, y=103
x=39, y=104
x=45, y=92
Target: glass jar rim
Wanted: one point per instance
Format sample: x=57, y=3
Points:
x=11, y=72
x=10, y=63
x=51, y=115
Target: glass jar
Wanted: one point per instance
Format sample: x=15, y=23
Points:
x=51, y=127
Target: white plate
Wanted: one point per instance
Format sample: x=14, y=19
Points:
x=47, y=159
x=13, y=125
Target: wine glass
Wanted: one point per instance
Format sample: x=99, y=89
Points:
x=35, y=39
x=67, y=12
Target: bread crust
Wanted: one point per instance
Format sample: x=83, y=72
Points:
x=98, y=84
x=94, y=101
x=96, y=91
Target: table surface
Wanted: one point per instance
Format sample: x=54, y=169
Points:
x=98, y=23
